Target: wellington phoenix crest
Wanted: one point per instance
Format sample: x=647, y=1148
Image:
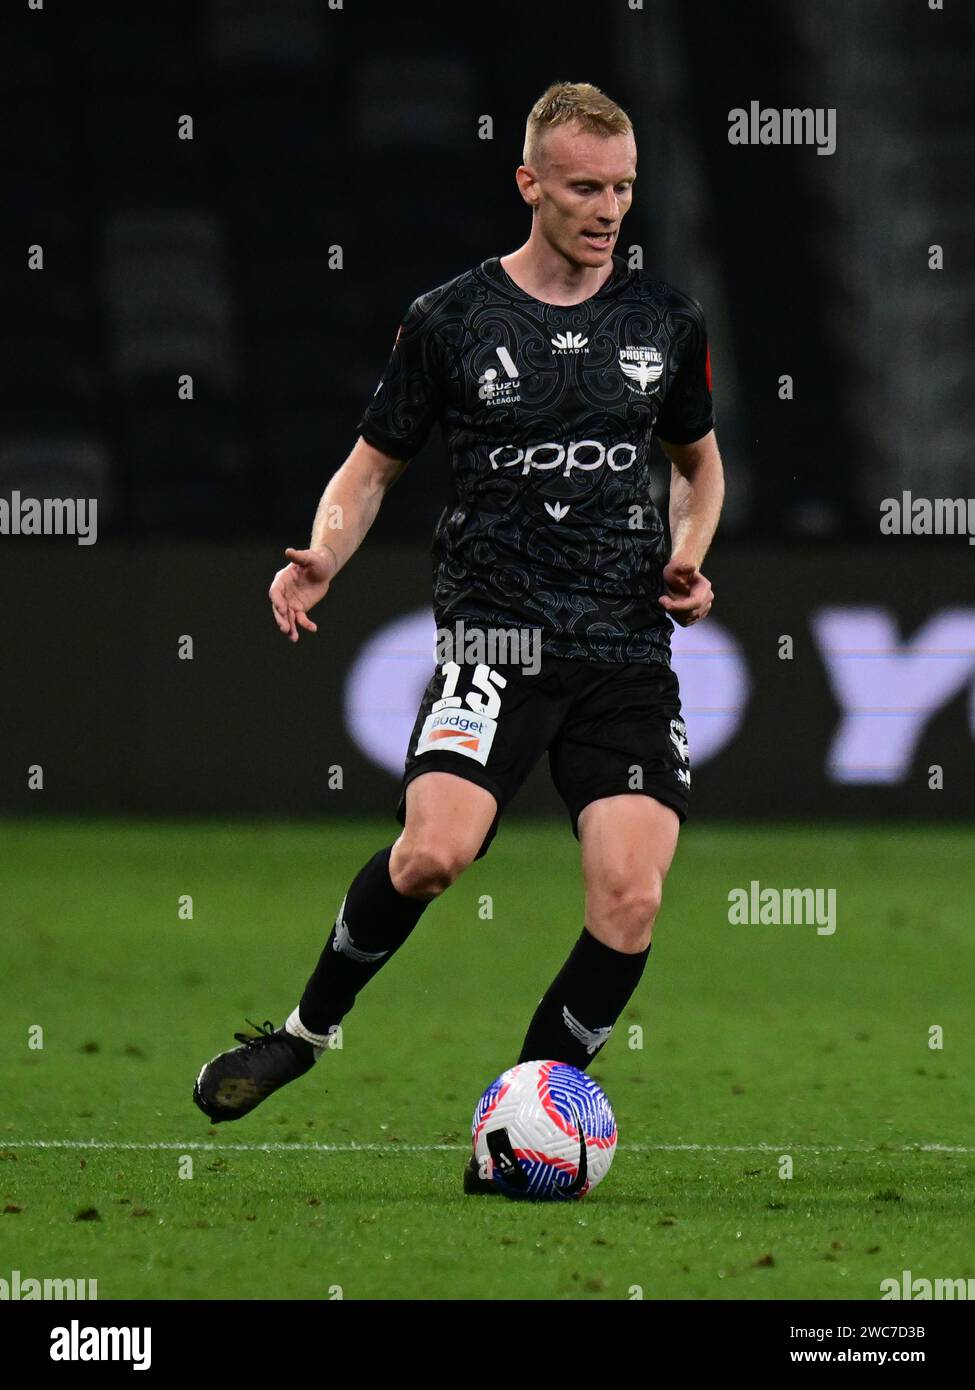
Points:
x=642, y=367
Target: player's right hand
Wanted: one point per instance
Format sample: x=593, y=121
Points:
x=298, y=587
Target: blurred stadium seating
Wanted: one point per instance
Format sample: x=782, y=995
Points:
x=318, y=129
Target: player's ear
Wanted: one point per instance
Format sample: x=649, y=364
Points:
x=527, y=184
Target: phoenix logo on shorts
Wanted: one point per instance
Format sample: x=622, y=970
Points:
x=678, y=737
x=641, y=365
x=456, y=731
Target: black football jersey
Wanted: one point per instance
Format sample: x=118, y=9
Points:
x=547, y=414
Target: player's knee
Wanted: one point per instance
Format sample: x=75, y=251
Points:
x=425, y=868
x=627, y=912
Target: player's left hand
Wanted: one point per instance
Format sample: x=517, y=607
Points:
x=688, y=595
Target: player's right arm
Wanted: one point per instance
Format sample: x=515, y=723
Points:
x=399, y=418
x=346, y=511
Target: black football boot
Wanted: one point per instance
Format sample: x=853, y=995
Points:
x=230, y=1085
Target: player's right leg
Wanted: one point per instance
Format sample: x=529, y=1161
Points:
x=447, y=819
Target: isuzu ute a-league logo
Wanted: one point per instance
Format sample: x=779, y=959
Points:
x=494, y=389
x=642, y=367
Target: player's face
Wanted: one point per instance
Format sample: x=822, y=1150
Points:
x=584, y=188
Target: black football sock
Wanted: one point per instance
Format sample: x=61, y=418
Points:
x=584, y=1001
x=373, y=922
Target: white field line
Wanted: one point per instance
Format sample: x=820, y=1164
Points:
x=391, y=1148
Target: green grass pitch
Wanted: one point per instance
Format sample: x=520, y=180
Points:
x=758, y=1042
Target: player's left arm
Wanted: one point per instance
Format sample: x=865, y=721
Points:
x=696, y=494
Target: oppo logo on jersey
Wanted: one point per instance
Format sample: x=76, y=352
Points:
x=583, y=455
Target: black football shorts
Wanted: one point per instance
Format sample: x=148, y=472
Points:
x=609, y=728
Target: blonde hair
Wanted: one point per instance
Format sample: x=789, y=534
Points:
x=578, y=102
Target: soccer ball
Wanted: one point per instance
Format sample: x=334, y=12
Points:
x=544, y=1130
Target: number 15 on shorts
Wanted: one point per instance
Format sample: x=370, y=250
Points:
x=449, y=727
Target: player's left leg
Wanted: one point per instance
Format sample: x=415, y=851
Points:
x=628, y=843
x=623, y=730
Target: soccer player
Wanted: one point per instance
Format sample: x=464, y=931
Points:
x=549, y=371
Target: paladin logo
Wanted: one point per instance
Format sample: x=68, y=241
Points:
x=564, y=343
x=496, y=390
x=641, y=365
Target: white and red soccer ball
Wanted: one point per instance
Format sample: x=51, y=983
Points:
x=544, y=1131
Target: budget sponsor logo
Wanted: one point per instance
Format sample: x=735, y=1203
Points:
x=456, y=731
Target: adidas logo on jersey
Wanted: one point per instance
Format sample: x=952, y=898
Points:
x=568, y=343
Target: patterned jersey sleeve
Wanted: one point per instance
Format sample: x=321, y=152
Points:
x=687, y=413
x=407, y=401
